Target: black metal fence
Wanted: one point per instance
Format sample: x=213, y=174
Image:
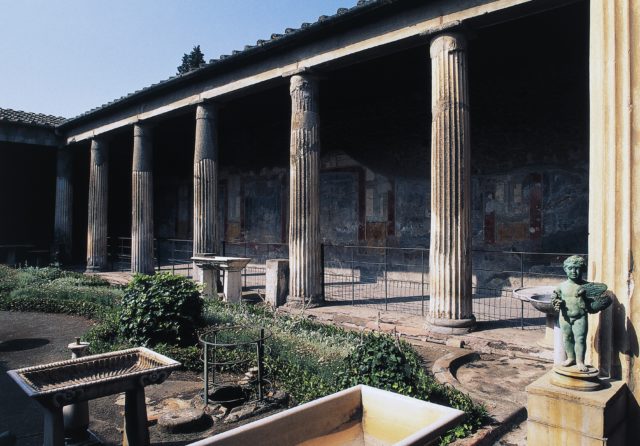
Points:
x=385, y=278
x=397, y=279
x=169, y=254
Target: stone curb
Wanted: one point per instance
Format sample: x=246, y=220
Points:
x=445, y=366
x=444, y=371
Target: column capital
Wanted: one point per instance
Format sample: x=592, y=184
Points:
x=454, y=40
x=206, y=110
x=303, y=82
x=142, y=152
x=142, y=129
x=64, y=161
x=99, y=151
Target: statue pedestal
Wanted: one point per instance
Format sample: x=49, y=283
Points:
x=570, y=378
x=557, y=415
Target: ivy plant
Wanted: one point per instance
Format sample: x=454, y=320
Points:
x=162, y=308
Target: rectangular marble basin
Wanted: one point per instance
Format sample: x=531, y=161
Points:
x=66, y=382
x=358, y=416
x=223, y=263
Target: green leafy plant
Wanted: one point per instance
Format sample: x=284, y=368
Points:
x=162, y=308
x=92, y=310
x=52, y=290
x=78, y=279
x=8, y=279
x=380, y=362
x=60, y=291
x=34, y=276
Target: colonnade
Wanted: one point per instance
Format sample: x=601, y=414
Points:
x=450, y=259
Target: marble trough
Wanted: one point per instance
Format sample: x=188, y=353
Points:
x=358, y=416
x=58, y=384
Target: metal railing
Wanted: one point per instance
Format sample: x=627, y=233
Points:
x=168, y=254
x=174, y=255
x=385, y=278
x=397, y=279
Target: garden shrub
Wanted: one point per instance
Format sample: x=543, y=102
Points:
x=8, y=279
x=380, y=362
x=104, y=336
x=101, y=295
x=79, y=279
x=34, y=276
x=162, y=308
x=52, y=290
x=189, y=356
x=91, y=310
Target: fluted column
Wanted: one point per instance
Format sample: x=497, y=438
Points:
x=450, y=308
x=205, y=183
x=98, y=196
x=62, y=232
x=304, y=227
x=142, y=205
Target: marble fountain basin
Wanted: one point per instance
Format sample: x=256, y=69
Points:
x=82, y=379
x=358, y=416
x=539, y=297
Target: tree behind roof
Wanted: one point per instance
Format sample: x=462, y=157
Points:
x=191, y=61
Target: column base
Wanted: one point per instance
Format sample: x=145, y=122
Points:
x=451, y=326
x=304, y=302
x=94, y=269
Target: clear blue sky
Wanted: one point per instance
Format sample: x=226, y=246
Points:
x=64, y=57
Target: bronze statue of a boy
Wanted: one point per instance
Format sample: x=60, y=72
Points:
x=574, y=299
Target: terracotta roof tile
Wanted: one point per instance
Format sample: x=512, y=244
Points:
x=22, y=117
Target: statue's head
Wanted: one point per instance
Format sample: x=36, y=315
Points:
x=575, y=266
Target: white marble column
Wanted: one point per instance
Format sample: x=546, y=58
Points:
x=98, y=196
x=142, y=204
x=205, y=182
x=62, y=232
x=450, y=308
x=304, y=228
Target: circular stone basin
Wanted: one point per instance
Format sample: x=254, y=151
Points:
x=228, y=396
x=539, y=296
